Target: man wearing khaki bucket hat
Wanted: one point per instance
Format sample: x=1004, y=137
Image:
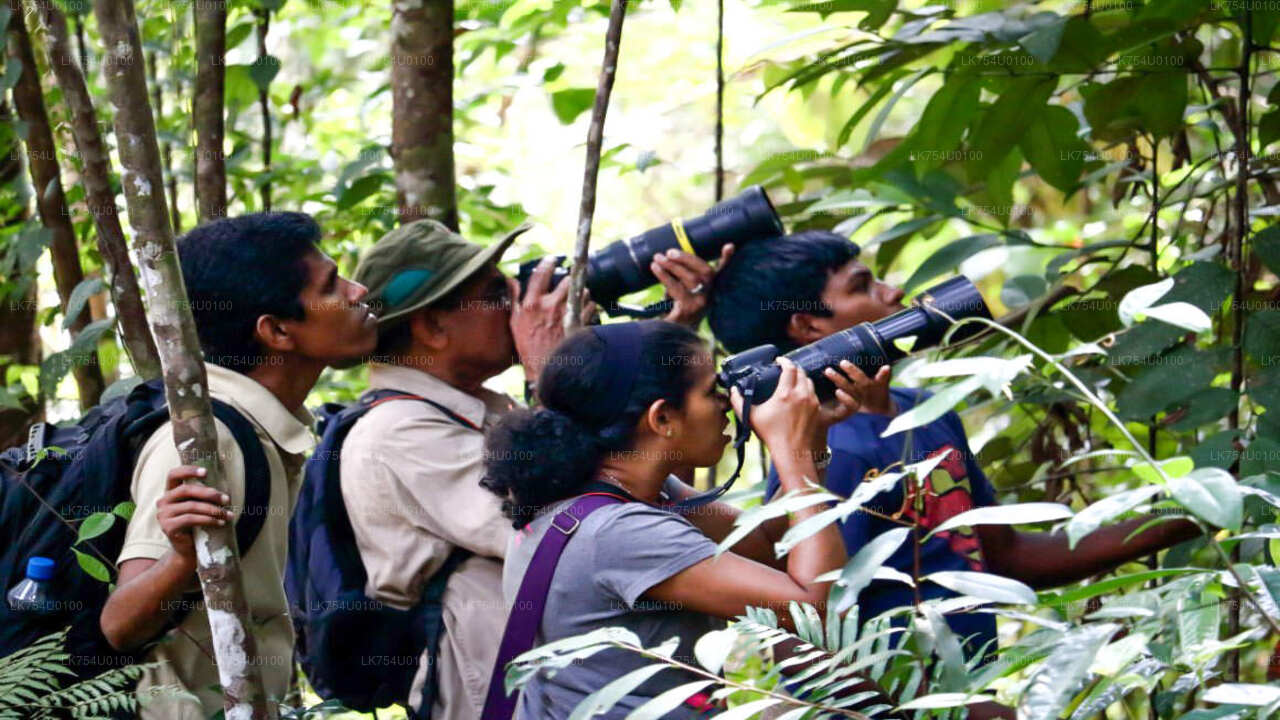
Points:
x=410, y=468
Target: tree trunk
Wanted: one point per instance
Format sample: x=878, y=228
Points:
x=99, y=195
x=422, y=109
x=19, y=340
x=207, y=108
x=28, y=98
x=184, y=374
x=595, y=139
x=166, y=149
x=264, y=102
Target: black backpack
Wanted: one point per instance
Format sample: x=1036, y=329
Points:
x=354, y=648
x=87, y=472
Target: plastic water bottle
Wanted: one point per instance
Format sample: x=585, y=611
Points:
x=33, y=594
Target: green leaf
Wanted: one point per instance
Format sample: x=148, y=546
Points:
x=1005, y=122
x=568, y=104
x=903, y=87
x=933, y=408
x=1092, y=517
x=944, y=700
x=1022, y=290
x=943, y=121
x=1269, y=128
x=92, y=566
x=861, y=568
x=1060, y=675
x=12, y=72
x=603, y=700
x=94, y=525
x=713, y=648
x=238, y=34
x=1019, y=514
x=1210, y=494
x=1052, y=148
x=661, y=705
x=1043, y=43
x=948, y=257
x=1242, y=694
x=984, y=585
x=264, y=70
x=86, y=341
x=1198, y=620
x=1267, y=244
x=362, y=189
x=79, y=296
x=852, y=123
x=1262, y=337
x=124, y=510
x=1165, y=381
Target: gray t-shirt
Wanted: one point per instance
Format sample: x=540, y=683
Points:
x=616, y=555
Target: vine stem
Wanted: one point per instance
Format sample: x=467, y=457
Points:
x=1098, y=403
x=595, y=140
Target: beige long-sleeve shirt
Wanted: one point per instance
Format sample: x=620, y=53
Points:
x=185, y=657
x=410, y=479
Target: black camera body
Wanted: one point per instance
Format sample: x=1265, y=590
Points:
x=622, y=267
x=870, y=346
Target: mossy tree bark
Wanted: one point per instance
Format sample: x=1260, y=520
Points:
x=171, y=321
x=422, y=110
x=208, y=107
x=96, y=175
x=595, y=139
x=51, y=201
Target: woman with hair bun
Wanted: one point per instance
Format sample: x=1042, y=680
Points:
x=624, y=406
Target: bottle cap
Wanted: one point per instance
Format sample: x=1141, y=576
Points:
x=39, y=568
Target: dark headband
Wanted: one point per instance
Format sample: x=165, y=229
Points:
x=619, y=370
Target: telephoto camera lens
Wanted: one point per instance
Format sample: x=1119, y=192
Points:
x=622, y=267
x=870, y=346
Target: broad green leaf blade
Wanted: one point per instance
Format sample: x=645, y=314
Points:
x=603, y=700
x=984, y=585
x=933, y=408
x=713, y=647
x=1092, y=517
x=859, y=571
x=1180, y=314
x=1020, y=514
x=1212, y=495
x=1141, y=298
x=1242, y=694
x=660, y=705
x=79, y=296
x=748, y=710
x=93, y=566
x=949, y=256
x=94, y=525
x=944, y=700
x=1060, y=675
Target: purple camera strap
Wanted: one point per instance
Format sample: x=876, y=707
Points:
x=531, y=600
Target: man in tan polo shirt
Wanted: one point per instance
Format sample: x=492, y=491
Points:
x=410, y=472
x=272, y=313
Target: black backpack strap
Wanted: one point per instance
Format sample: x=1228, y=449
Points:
x=257, y=475
x=257, y=472
x=431, y=620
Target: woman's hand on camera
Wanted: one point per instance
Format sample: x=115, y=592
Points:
x=848, y=397
x=789, y=421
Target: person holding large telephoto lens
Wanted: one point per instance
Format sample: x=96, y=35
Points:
x=804, y=287
x=624, y=406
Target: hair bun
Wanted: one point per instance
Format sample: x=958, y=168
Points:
x=535, y=457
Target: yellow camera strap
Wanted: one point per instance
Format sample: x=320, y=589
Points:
x=677, y=227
